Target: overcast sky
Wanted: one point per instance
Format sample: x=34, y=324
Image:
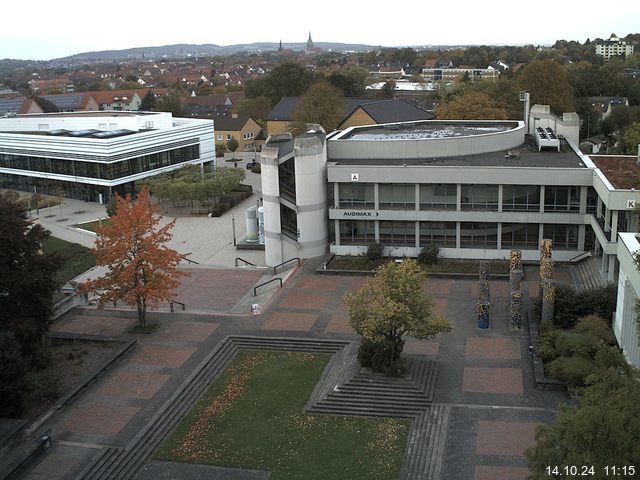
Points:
x=44, y=29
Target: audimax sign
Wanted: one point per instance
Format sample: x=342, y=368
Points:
x=359, y=213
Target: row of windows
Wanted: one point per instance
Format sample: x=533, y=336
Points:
x=443, y=234
x=515, y=198
x=105, y=171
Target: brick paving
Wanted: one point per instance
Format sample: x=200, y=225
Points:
x=485, y=376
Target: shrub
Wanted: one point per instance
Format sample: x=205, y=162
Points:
x=43, y=385
x=376, y=355
x=428, y=255
x=601, y=301
x=375, y=251
x=564, y=308
x=612, y=357
x=219, y=208
x=546, y=346
x=571, y=370
x=256, y=168
x=571, y=343
x=596, y=326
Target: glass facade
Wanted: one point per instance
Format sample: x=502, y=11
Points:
x=520, y=235
x=565, y=237
x=357, y=232
x=289, y=222
x=287, y=179
x=561, y=199
x=400, y=196
x=101, y=170
x=443, y=234
x=438, y=197
x=478, y=235
x=479, y=197
x=356, y=195
x=402, y=234
x=521, y=198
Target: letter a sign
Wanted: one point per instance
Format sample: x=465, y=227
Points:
x=354, y=177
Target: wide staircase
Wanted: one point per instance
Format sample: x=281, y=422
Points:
x=586, y=274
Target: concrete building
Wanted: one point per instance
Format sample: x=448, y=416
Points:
x=89, y=155
x=613, y=47
x=477, y=189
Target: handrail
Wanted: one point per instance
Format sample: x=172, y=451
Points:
x=285, y=262
x=255, y=293
x=184, y=307
x=245, y=261
x=184, y=257
x=580, y=256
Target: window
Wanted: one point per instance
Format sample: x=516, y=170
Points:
x=592, y=200
x=398, y=233
x=561, y=199
x=521, y=198
x=251, y=135
x=438, y=197
x=400, y=196
x=220, y=136
x=443, y=234
x=478, y=235
x=355, y=195
x=520, y=235
x=564, y=237
x=357, y=232
x=479, y=197
x=228, y=137
x=288, y=222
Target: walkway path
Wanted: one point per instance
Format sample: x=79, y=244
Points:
x=485, y=376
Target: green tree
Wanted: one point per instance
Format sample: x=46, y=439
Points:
x=256, y=108
x=13, y=371
x=351, y=79
x=392, y=304
x=45, y=105
x=27, y=281
x=322, y=104
x=631, y=139
x=286, y=80
x=232, y=144
x=548, y=84
x=148, y=101
x=602, y=430
x=171, y=103
x=388, y=89
x=472, y=105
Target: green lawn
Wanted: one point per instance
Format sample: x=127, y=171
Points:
x=91, y=226
x=252, y=417
x=75, y=258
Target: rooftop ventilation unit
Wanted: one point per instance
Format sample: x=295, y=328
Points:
x=546, y=138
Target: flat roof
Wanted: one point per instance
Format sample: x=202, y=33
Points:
x=622, y=171
x=433, y=129
x=526, y=155
x=99, y=113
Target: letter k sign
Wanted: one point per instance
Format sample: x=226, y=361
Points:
x=354, y=177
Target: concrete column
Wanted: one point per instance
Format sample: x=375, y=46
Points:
x=612, y=268
x=459, y=198
x=417, y=234
x=337, y=231
x=583, y=200
x=500, y=197
x=541, y=202
x=458, y=230
x=614, y=225
x=336, y=195
x=417, y=197
x=607, y=220
x=604, y=263
x=271, y=205
x=599, y=208
x=581, y=237
x=377, y=230
x=376, y=197
x=499, y=243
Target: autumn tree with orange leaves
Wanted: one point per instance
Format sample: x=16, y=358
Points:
x=142, y=270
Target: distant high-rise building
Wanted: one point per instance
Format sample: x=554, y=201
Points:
x=280, y=47
x=613, y=47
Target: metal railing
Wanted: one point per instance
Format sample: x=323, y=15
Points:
x=184, y=307
x=285, y=262
x=255, y=289
x=189, y=260
x=245, y=261
x=581, y=256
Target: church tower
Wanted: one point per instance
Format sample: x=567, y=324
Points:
x=309, y=43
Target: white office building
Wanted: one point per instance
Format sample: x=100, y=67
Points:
x=89, y=155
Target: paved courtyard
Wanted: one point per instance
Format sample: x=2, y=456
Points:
x=485, y=377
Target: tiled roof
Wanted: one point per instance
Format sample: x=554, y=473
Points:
x=108, y=96
x=229, y=123
x=69, y=101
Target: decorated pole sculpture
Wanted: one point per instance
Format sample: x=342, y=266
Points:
x=548, y=300
x=515, y=261
x=482, y=309
x=515, y=310
x=484, y=292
